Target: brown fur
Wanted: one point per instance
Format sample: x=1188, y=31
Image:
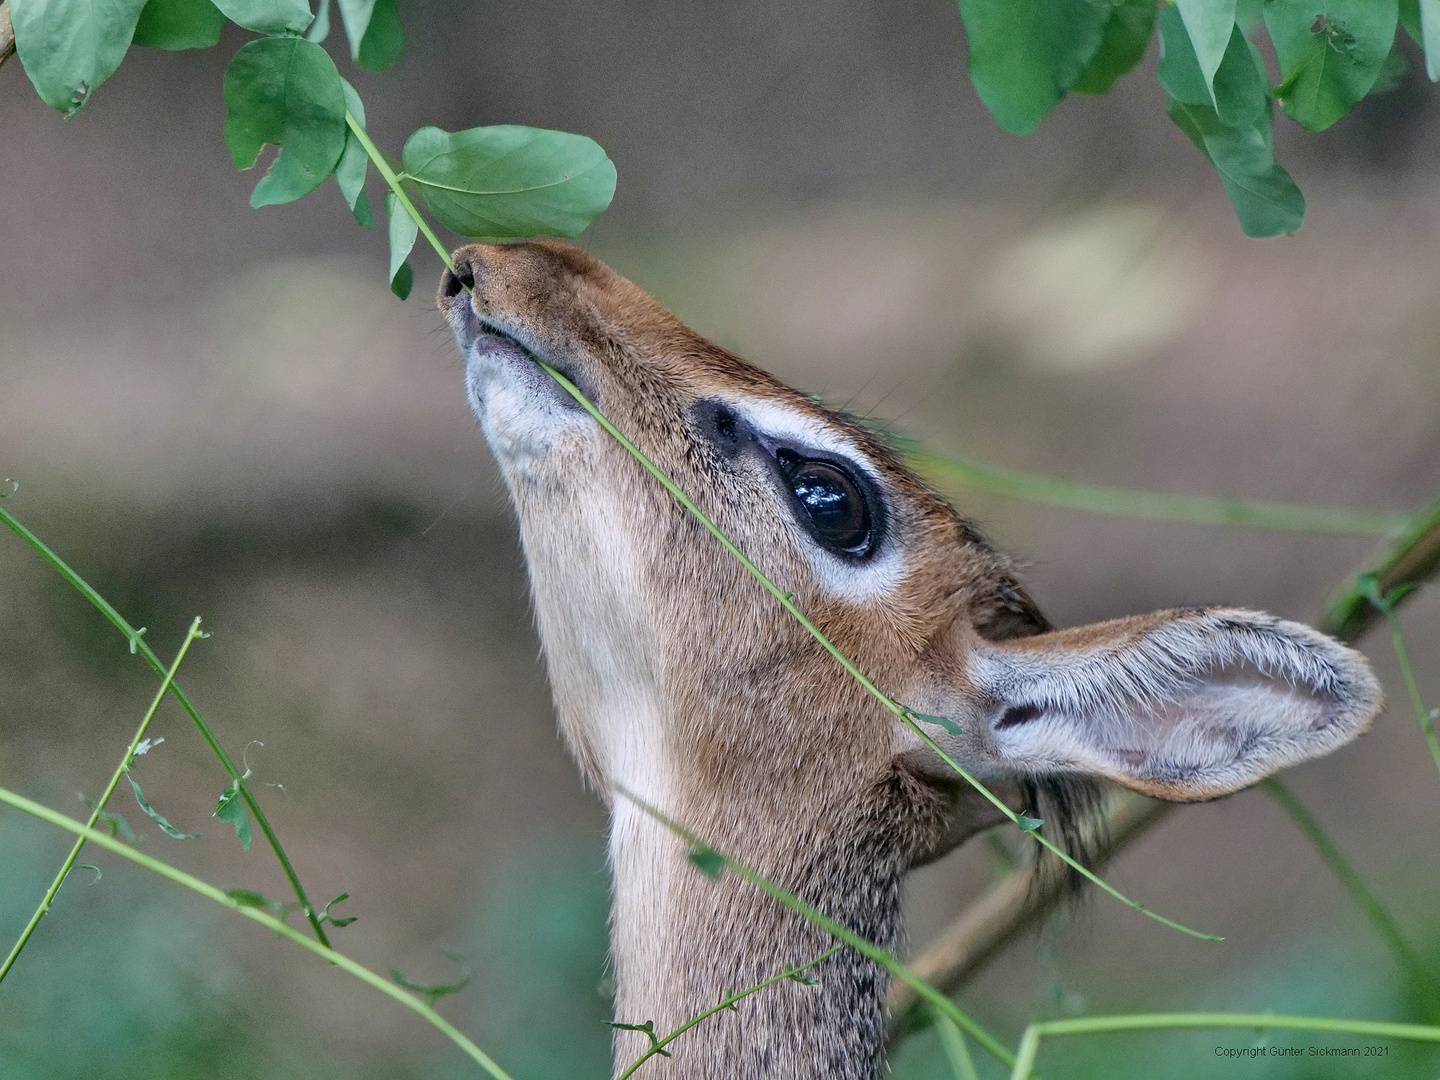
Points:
x=677, y=675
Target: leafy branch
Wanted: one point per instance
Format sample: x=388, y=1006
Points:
x=658, y=1044
x=140, y=647
x=138, y=745
x=243, y=902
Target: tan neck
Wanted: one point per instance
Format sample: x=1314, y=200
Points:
x=681, y=941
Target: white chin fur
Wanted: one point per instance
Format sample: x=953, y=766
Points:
x=516, y=404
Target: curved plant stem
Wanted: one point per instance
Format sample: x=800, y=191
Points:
x=1158, y=506
x=69, y=862
x=393, y=180
x=1379, y=916
x=411, y=1001
x=901, y=712
x=863, y=946
x=658, y=1045
x=1412, y=688
x=138, y=645
x=1094, y=1025
x=953, y=1040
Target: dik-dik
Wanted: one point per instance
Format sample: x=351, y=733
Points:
x=677, y=677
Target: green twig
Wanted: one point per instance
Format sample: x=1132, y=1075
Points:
x=1158, y=506
x=1094, y=1025
x=1379, y=916
x=836, y=929
x=906, y=716
x=1402, y=658
x=411, y=1001
x=1408, y=561
x=137, y=644
x=382, y=166
x=657, y=1045
x=953, y=1040
x=99, y=808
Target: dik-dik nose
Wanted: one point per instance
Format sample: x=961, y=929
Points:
x=462, y=277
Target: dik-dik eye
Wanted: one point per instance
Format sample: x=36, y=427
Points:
x=831, y=500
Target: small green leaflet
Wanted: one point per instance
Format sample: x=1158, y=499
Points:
x=115, y=823
x=403, y=230
x=285, y=91
x=709, y=861
x=1330, y=52
x=337, y=921
x=268, y=16
x=1127, y=35
x=320, y=28
x=647, y=1028
x=1209, y=24
x=69, y=47
x=950, y=726
x=433, y=993
x=373, y=27
x=250, y=898
x=155, y=816
x=1025, y=56
x=179, y=24
x=231, y=808
x=507, y=181
x=1028, y=824
x=351, y=170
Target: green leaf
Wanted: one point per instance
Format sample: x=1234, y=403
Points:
x=403, y=230
x=1208, y=24
x=1122, y=45
x=155, y=816
x=250, y=898
x=115, y=823
x=337, y=921
x=1025, y=56
x=1330, y=52
x=1179, y=71
x=1397, y=66
x=268, y=16
x=949, y=725
x=285, y=91
x=179, y=24
x=69, y=47
x=231, y=808
x=434, y=993
x=350, y=171
x=384, y=38
x=1266, y=200
x=1430, y=37
x=373, y=27
x=506, y=181
x=709, y=861
x=320, y=28
x=1028, y=824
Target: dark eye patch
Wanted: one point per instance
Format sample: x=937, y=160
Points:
x=831, y=499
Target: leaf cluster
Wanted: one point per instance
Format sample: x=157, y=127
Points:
x=1331, y=55
x=283, y=89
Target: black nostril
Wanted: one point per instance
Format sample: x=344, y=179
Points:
x=462, y=277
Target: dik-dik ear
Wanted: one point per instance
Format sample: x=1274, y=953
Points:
x=1181, y=705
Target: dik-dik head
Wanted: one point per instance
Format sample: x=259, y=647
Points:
x=676, y=675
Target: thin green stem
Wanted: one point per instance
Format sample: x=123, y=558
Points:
x=838, y=930
x=138, y=645
x=953, y=1040
x=1379, y=916
x=99, y=808
x=1158, y=506
x=401, y=196
x=1094, y=1025
x=411, y=1001
x=1427, y=719
x=658, y=1046
x=901, y=712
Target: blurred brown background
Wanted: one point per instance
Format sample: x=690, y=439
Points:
x=219, y=411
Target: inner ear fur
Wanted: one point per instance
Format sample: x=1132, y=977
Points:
x=1183, y=705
